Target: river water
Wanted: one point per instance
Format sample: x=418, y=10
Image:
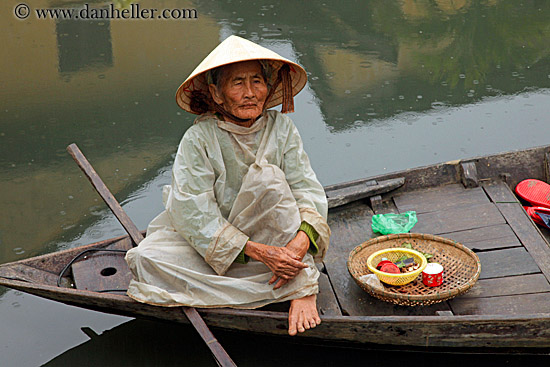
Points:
x=393, y=84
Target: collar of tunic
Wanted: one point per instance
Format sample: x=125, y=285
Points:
x=241, y=130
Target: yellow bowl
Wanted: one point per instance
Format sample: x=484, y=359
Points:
x=393, y=254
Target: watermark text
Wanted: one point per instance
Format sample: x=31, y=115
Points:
x=86, y=12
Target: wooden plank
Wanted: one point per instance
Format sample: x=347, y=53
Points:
x=424, y=331
x=507, y=262
x=499, y=192
x=100, y=272
x=344, y=195
x=438, y=198
x=29, y=274
x=522, y=164
x=458, y=219
x=104, y=270
x=326, y=299
x=509, y=286
x=486, y=238
x=350, y=227
x=529, y=235
x=105, y=194
x=524, y=304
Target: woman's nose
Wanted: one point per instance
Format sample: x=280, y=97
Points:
x=248, y=90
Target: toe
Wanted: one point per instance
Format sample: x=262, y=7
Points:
x=292, y=330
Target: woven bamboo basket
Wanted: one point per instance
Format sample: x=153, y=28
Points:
x=461, y=269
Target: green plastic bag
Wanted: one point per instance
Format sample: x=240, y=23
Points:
x=394, y=223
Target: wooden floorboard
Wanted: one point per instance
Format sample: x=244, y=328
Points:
x=486, y=238
x=458, y=219
x=439, y=198
x=528, y=234
x=523, y=304
x=507, y=262
x=326, y=299
x=524, y=228
x=509, y=286
x=499, y=192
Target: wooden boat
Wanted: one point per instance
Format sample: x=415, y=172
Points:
x=469, y=201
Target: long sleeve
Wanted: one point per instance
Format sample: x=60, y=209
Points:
x=306, y=188
x=193, y=209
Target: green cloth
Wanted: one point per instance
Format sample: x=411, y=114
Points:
x=305, y=227
x=242, y=258
x=312, y=234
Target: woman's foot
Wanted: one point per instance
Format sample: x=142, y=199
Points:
x=303, y=314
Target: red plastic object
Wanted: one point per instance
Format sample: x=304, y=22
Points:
x=536, y=192
x=381, y=263
x=390, y=268
x=532, y=211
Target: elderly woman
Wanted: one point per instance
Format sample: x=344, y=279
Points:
x=245, y=214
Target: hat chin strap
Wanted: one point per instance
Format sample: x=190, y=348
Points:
x=283, y=76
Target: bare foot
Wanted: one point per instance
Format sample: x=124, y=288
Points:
x=303, y=314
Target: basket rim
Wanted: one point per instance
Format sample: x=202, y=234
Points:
x=400, y=275
x=438, y=296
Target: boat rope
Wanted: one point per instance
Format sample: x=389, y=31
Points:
x=62, y=273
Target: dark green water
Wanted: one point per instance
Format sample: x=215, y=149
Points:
x=393, y=84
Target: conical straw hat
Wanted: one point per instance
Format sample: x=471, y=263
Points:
x=236, y=49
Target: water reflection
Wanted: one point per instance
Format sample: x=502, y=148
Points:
x=83, y=45
x=108, y=86
x=113, y=348
x=375, y=59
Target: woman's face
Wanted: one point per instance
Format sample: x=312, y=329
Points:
x=242, y=90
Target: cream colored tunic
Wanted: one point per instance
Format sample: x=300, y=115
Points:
x=230, y=184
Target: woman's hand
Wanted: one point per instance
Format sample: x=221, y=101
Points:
x=299, y=246
x=282, y=261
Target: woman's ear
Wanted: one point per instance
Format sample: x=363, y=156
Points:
x=215, y=94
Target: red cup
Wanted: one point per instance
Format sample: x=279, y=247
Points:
x=432, y=276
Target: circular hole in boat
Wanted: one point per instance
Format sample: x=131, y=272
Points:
x=107, y=272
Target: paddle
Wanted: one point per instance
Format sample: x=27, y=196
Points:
x=221, y=356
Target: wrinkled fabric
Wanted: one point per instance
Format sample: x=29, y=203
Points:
x=230, y=184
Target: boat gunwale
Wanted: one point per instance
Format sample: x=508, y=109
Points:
x=18, y=284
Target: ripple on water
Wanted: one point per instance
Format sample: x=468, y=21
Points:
x=409, y=117
x=95, y=233
x=438, y=105
x=19, y=251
